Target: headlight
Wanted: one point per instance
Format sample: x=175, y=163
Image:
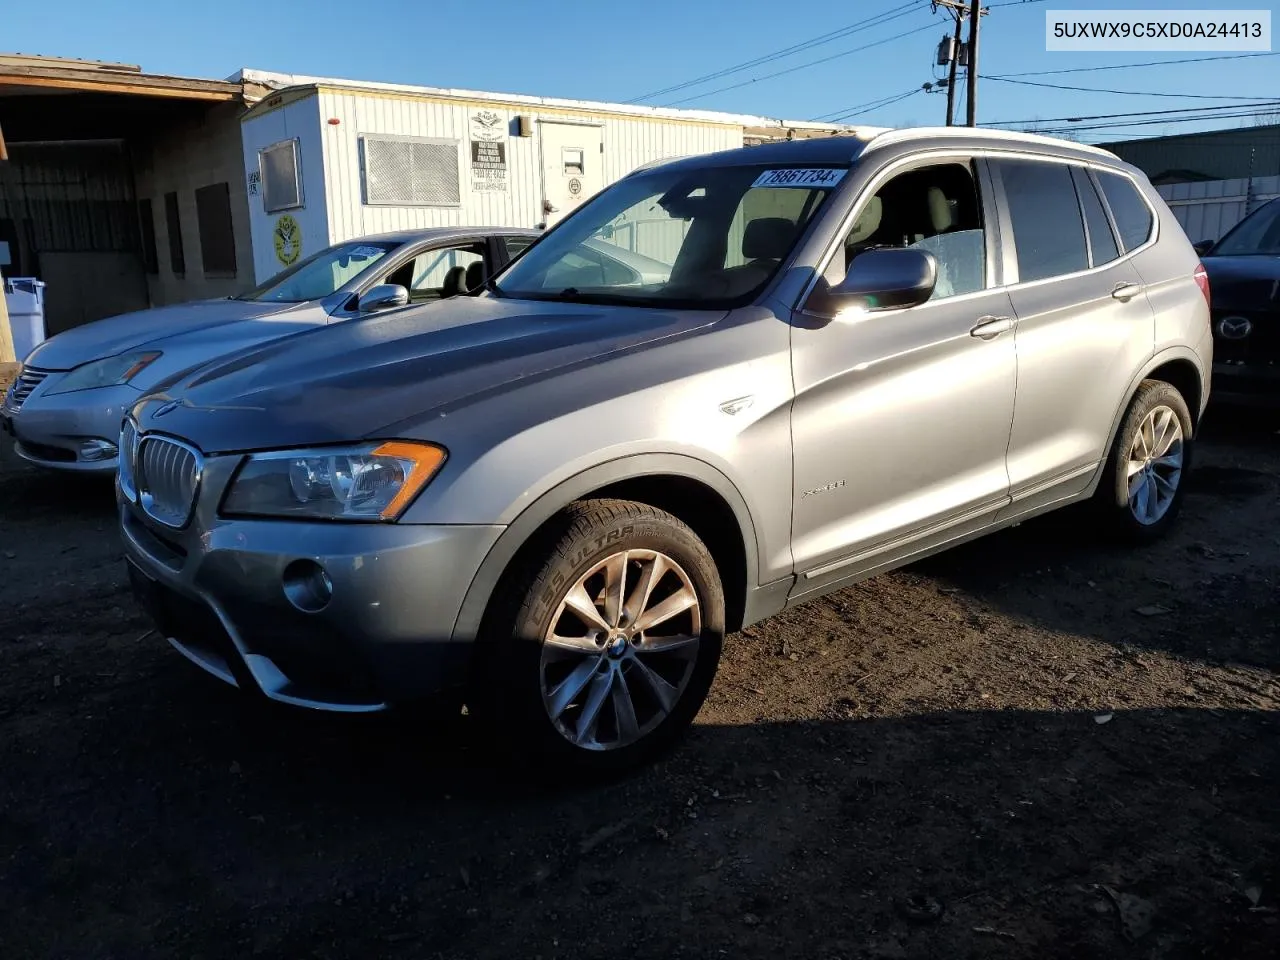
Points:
x=373, y=481
x=104, y=373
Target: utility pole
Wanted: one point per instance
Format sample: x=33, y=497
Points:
x=975, y=16
x=951, y=70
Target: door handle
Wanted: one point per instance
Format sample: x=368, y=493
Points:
x=1126, y=291
x=988, y=328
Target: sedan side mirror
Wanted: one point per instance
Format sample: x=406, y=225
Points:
x=1202, y=247
x=879, y=280
x=383, y=297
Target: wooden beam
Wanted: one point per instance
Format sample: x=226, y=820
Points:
x=116, y=86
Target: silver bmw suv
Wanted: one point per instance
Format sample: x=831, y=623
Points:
x=557, y=498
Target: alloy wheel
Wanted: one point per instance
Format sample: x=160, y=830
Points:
x=620, y=650
x=1155, y=465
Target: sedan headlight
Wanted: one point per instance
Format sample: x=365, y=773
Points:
x=375, y=481
x=104, y=373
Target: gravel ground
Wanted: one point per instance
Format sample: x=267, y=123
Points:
x=1030, y=747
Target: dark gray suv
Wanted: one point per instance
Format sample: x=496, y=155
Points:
x=558, y=497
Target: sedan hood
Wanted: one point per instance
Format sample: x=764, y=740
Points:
x=1244, y=283
x=147, y=329
x=348, y=381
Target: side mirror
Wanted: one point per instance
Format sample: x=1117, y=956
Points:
x=383, y=297
x=879, y=280
x=1202, y=247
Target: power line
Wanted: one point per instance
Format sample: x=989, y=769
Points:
x=1129, y=66
x=870, y=104
x=803, y=66
x=868, y=107
x=1014, y=3
x=1130, y=93
x=885, y=16
x=1080, y=128
x=1260, y=105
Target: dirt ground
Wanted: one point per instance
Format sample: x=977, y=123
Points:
x=1031, y=747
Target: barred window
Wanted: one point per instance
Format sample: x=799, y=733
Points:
x=281, y=176
x=410, y=171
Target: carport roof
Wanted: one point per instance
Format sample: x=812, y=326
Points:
x=31, y=75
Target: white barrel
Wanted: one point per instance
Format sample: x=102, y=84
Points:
x=24, y=297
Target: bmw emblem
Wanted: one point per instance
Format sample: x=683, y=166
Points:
x=167, y=408
x=1234, y=328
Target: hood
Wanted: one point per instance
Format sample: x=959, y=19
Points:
x=147, y=329
x=348, y=381
x=1244, y=283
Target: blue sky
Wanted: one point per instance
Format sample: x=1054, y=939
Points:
x=620, y=51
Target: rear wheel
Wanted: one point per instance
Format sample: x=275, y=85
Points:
x=1141, y=492
x=610, y=640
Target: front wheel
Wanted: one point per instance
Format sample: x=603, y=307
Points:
x=1141, y=490
x=610, y=641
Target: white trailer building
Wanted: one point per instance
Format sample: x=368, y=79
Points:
x=327, y=160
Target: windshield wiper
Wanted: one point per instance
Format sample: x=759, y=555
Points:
x=492, y=286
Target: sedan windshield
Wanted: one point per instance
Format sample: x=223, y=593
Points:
x=322, y=273
x=707, y=238
x=1256, y=235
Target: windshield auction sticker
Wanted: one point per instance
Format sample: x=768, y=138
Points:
x=821, y=179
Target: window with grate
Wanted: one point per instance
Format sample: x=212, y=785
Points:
x=281, y=176
x=410, y=172
x=147, y=224
x=217, y=241
x=177, y=259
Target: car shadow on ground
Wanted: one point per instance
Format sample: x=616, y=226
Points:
x=185, y=818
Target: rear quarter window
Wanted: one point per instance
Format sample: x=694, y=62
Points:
x=1132, y=215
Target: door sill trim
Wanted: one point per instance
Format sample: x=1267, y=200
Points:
x=994, y=506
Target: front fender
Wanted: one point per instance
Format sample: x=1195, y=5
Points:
x=517, y=533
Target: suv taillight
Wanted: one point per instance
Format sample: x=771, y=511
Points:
x=1201, y=277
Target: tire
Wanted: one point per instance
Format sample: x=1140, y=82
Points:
x=555, y=685
x=1123, y=509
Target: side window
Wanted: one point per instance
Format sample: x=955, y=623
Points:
x=936, y=209
x=440, y=273
x=517, y=245
x=1132, y=215
x=1048, y=234
x=1102, y=242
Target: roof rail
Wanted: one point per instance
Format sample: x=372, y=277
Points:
x=904, y=134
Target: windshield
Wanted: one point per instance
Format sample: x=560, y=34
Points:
x=1256, y=235
x=321, y=274
x=706, y=238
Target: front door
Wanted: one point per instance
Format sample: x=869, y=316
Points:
x=572, y=167
x=901, y=418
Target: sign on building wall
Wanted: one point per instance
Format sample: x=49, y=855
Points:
x=488, y=151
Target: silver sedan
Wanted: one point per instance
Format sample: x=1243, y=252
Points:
x=65, y=408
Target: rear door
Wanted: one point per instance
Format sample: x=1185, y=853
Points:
x=1084, y=325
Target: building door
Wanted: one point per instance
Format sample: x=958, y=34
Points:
x=572, y=167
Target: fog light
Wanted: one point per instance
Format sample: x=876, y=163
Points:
x=307, y=586
x=92, y=450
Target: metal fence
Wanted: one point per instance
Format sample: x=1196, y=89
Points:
x=1210, y=208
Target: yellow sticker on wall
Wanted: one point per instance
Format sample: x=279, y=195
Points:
x=288, y=240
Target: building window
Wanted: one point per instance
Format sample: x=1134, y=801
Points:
x=177, y=260
x=217, y=240
x=574, y=162
x=281, y=176
x=147, y=226
x=409, y=171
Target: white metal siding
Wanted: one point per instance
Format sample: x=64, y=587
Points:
x=300, y=119
x=628, y=142
x=1208, y=209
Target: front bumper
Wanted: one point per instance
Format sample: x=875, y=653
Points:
x=1253, y=384
x=50, y=430
x=217, y=592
